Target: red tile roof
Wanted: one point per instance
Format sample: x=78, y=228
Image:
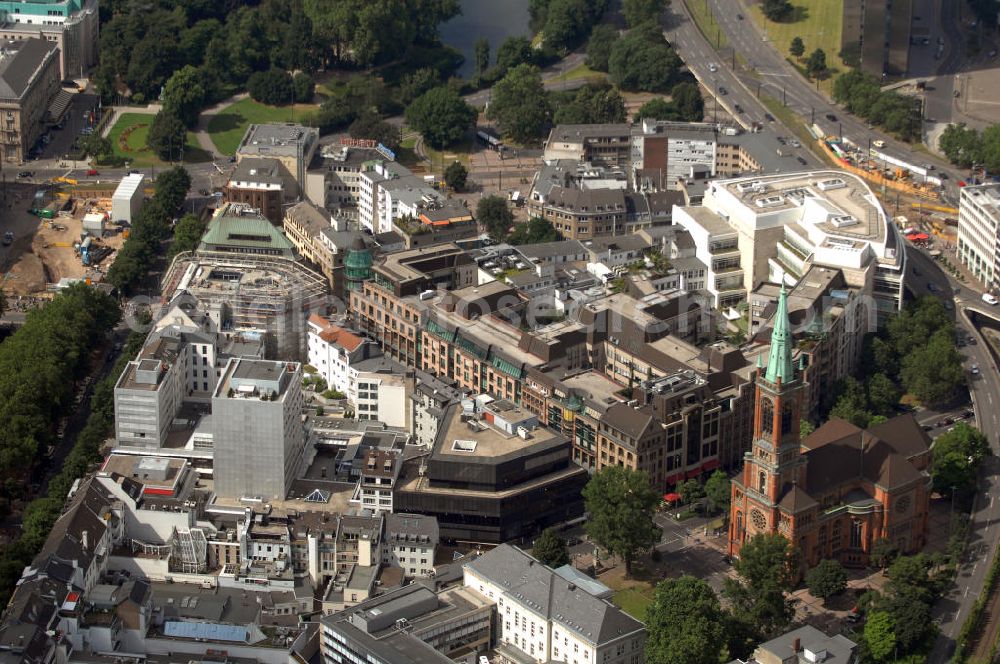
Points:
x=333, y=334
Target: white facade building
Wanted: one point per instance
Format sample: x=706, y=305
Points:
x=127, y=199
x=543, y=617
x=410, y=543
x=978, y=232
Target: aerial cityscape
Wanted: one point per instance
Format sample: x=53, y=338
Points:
x=511, y=332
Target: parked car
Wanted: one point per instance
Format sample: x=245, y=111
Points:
x=990, y=299
x=24, y=174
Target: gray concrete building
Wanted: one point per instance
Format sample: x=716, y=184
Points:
x=876, y=35
x=258, y=435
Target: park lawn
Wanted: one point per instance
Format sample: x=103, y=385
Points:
x=581, y=71
x=634, y=601
x=227, y=127
x=128, y=140
x=819, y=23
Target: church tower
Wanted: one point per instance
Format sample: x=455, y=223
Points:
x=774, y=462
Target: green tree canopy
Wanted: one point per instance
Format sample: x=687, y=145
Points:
x=456, y=175
x=512, y=52
x=718, y=491
x=602, y=39
x=167, y=135
x=957, y=455
x=621, y=504
x=442, y=116
x=797, y=47
x=816, y=64
x=691, y=491
x=637, y=12
x=643, y=61
x=685, y=623
x=934, y=372
x=766, y=572
x=776, y=10
x=184, y=95
x=591, y=104
x=481, y=57
x=550, y=549
x=880, y=636
x=686, y=97
x=519, y=104
x=273, y=87
x=303, y=88
x=535, y=230
x=826, y=579
x=494, y=215
x=187, y=234
x=370, y=124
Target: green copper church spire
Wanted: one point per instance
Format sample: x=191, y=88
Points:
x=779, y=362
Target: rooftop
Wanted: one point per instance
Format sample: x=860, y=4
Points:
x=20, y=62
x=282, y=140
x=461, y=438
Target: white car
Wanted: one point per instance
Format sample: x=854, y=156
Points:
x=990, y=299
x=713, y=67
x=879, y=143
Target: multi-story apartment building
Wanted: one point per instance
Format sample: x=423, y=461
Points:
x=410, y=543
x=332, y=180
x=380, y=389
x=332, y=351
x=431, y=396
x=377, y=478
x=257, y=429
x=72, y=26
x=388, y=191
x=773, y=228
x=29, y=79
x=543, y=617
x=258, y=183
x=978, y=233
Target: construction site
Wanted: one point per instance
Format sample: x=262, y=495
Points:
x=882, y=170
x=57, y=233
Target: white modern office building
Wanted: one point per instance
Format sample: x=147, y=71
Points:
x=773, y=228
x=978, y=234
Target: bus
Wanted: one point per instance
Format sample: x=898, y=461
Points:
x=489, y=140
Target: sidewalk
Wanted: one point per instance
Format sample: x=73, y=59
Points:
x=201, y=129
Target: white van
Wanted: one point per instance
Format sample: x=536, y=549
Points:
x=989, y=299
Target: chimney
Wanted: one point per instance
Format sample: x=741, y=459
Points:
x=796, y=645
x=85, y=540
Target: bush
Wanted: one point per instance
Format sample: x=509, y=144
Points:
x=303, y=87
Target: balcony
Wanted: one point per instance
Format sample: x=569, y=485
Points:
x=723, y=248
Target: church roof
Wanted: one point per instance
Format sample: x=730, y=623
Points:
x=796, y=500
x=840, y=453
x=779, y=362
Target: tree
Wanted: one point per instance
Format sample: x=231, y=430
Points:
x=519, y=104
x=816, y=64
x=957, y=455
x=826, y=579
x=535, y=230
x=805, y=428
x=684, y=623
x=883, y=395
x=637, y=12
x=621, y=504
x=273, y=87
x=798, y=47
x=934, y=372
x=687, y=99
x=602, y=39
x=303, y=88
x=494, y=216
x=691, y=491
x=961, y=145
x=456, y=175
x=172, y=186
x=369, y=124
x=852, y=402
x=167, y=134
x=883, y=552
x=416, y=83
x=97, y=146
x=880, y=636
x=567, y=23
x=657, y=108
x=643, y=61
x=766, y=572
x=187, y=234
x=442, y=116
x=512, y=52
x=481, y=56
x=591, y=104
x=718, y=492
x=776, y=10
x=550, y=549
x=184, y=94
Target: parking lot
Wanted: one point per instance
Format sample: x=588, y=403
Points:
x=74, y=121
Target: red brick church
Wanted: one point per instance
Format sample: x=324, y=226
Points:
x=836, y=493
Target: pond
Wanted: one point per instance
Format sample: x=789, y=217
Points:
x=494, y=19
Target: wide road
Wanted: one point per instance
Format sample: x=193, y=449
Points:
x=700, y=59
x=777, y=76
x=952, y=610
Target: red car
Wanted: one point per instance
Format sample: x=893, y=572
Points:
x=92, y=172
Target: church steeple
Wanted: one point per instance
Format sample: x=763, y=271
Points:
x=779, y=362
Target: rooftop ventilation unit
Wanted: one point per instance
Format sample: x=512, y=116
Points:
x=829, y=185
x=769, y=201
x=744, y=187
x=843, y=221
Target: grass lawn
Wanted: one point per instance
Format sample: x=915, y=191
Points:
x=581, y=71
x=818, y=23
x=128, y=139
x=634, y=601
x=705, y=21
x=228, y=126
